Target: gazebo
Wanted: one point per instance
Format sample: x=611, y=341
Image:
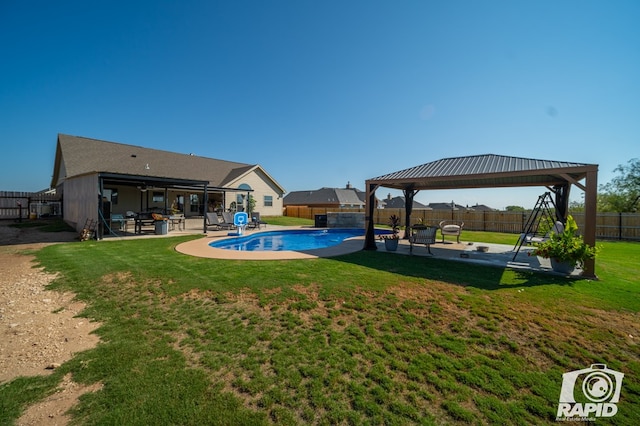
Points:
x=493, y=171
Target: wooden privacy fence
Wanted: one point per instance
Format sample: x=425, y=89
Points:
x=16, y=205
x=609, y=226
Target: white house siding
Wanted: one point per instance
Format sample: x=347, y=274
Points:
x=261, y=185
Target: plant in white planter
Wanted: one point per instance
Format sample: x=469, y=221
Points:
x=565, y=250
x=391, y=240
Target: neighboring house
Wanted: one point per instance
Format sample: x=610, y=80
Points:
x=454, y=206
x=399, y=203
x=481, y=207
x=97, y=178
x=446, y=206
x=348, y=197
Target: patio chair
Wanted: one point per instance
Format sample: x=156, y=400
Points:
x=255, y=221
x=451, y=227
x=120, y=221
x=423, y=235
x=214, y=221
x=227, y=219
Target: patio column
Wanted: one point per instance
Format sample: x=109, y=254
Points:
x=370, y=204
x=204, y=215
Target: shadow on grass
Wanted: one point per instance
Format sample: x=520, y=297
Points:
x=454, y=272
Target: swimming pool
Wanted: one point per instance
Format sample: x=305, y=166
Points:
x=290, y=240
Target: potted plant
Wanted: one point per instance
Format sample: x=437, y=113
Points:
x=391, y=240
x=565, y=250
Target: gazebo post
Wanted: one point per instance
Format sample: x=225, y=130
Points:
x=590, y=208
x=370, y=204
x=409, y=194
x=562, y=201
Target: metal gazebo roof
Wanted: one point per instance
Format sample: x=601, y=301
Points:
x=485, y=171
x=493, y=171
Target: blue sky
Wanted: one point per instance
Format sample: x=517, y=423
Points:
x=321, y=93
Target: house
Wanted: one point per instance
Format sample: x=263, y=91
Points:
x=454, y=206
x=96, y=179
x=399, y=203
x=446, y=206
x=347, y=197
x=481, y=207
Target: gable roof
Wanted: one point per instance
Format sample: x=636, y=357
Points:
x=77, y=156
x=481, y=171
x=400, y=203
x=445, y=206
x=338, y=196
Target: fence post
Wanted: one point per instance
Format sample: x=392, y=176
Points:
x=619, y=226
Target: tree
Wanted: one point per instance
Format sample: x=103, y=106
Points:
x=251, y=204
x=623, y=192
x=514, y=209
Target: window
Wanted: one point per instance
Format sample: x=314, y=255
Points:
x=268, y=200
x=240, y=202
x=158, y=197
x=194, y=203
x=240, y=197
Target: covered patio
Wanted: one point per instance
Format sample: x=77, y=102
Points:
x=493, y=171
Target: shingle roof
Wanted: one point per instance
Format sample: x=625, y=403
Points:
x=337, y=196
x=399, y=203
x=484, y=171
x=445, y=206
x=81, y=156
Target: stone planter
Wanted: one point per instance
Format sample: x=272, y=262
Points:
x=562, y=267
x=391, y=244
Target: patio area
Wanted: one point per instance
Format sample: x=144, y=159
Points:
x=498, y=255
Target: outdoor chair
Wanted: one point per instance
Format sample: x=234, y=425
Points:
x=214, y=221
x=451, y=227
x=255, y=221
x=227, y=219
x=423, y=235
x=120, y=221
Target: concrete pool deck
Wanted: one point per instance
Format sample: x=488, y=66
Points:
x=498, y=255
x=201, y=248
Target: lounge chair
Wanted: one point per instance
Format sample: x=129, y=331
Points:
x=227, y=219
x=423, y=235
x=214, y=221
x=451, y=227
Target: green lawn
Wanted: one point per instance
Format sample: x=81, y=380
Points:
x=366, y=338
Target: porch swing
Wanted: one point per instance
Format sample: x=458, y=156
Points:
x=543, y=213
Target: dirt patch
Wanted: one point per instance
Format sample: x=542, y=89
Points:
x=39, y=328
x=53, y=409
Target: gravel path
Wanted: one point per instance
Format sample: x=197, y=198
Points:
x=39, y=328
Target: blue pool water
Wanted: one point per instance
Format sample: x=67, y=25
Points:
x=292, y=240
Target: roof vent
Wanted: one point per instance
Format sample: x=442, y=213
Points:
x=146, y=166
x=133, y=156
